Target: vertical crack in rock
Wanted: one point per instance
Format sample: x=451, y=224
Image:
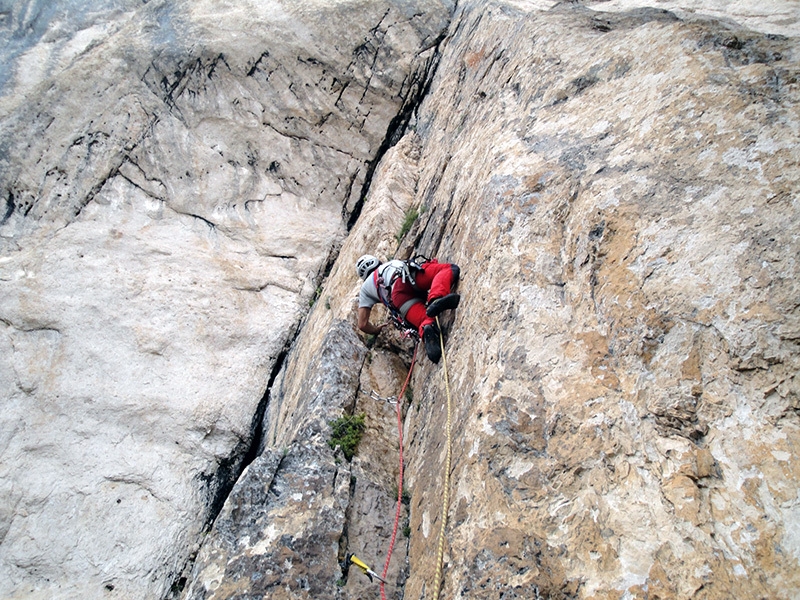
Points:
x=344, y=539
x=415, y=88
x=183, y=323
x=283, y=526
x=9, y=207
x=231, y=468
x=220, y=484
x=418, y=86
x=258, y=419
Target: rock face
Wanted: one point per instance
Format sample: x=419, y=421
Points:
x=619, y=187
x=174, y=176
x=289, y=510
x=274, y=546
x=624, y=361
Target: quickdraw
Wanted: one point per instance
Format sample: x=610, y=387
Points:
x=375, y=396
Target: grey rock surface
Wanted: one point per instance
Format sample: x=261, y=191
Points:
x=619, y=185
x=175, y=177
x=618, y=189
x=279, y=533
x=327, y=374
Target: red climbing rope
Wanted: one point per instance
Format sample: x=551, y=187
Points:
x=400, y=476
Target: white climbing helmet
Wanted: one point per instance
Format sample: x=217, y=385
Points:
x=366, y=265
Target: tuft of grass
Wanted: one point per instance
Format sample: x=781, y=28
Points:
x=346, y=433
x=315, y=297
x=412, y=214
x=409, y=395
x=405, y=498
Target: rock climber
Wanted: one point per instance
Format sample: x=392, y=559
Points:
x=415, y=291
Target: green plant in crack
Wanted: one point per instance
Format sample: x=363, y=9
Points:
x=409, y=395
x=313, y=299
x=412, y=214
x=346, y=432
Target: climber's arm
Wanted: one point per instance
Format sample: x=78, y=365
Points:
x=364, y=324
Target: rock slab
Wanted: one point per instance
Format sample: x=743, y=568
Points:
x=619, y=190
x=175, y=176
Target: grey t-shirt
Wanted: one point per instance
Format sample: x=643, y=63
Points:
x=390, y=271
x=368, y=297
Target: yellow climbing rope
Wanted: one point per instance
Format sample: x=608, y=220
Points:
x=446, y=495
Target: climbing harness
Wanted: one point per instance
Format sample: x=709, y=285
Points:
x=446, y=494
x=385, y=276
x=399, y=508
x=353, y=559
x=385, y=295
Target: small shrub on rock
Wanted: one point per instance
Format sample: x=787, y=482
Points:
x=346, y=433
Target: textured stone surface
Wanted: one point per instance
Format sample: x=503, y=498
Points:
x=623, y=361
x=174, y=177
x=620, y=192
x=328, y=373
x=279, y=533
x=779, y=17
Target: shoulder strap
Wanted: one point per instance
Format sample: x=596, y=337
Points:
x=385, y=295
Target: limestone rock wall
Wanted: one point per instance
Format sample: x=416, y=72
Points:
x=174, y=178
x=274, y=546
x=619, y=189
x=619, y=186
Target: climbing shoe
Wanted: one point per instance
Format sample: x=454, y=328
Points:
x=430, y=337
x=443, y=303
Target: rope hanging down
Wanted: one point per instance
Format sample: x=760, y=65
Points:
x=446, y=494
x=399, y=405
